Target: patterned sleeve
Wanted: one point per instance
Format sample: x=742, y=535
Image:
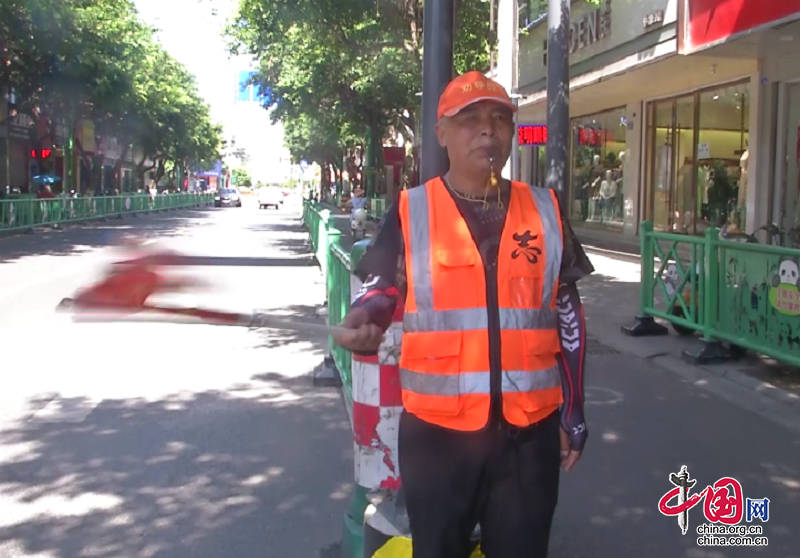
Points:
x=382, y=271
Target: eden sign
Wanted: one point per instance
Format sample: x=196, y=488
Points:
x=590, y=27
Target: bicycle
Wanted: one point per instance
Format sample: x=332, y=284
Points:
x=775, y=236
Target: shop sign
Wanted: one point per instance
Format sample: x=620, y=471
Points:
x=532, y=134
x=653, y=18
x=84, y=131
x=705, y=23
x=592, y=137
x=20, y=126
x=590, y=27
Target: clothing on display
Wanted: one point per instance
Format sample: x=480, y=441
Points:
x=608, y=197
x=743, y=162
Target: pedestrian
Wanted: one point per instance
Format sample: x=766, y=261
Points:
x=492, y=379
x=358, y=201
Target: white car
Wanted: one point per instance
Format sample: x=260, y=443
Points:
x=270, y=196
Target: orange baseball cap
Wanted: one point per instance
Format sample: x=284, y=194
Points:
x=471, y=88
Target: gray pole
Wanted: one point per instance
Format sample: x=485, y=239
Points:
x=558, y=126
x=515, y=142
x=7, y=162
x=437, y=71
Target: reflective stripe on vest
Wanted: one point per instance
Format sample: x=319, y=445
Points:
x=466, y=383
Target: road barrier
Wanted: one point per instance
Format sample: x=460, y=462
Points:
x=28, y=213
x=739, y=296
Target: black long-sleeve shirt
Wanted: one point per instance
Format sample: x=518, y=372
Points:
x=382, y=269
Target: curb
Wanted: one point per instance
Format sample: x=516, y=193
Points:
x=613, y=254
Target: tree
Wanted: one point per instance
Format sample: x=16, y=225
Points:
x=72, y=59
x=346, y=68
x=338, y=72
x=241, y=177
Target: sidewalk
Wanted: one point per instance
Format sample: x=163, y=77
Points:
x=611, y=298
x=341, y=220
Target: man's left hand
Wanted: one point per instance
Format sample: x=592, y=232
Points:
x=569, y=457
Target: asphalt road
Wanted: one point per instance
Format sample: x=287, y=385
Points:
x=168, y=441
x=172, y=441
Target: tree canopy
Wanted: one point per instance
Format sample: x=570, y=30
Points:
x=67, y=60
x=340, y=70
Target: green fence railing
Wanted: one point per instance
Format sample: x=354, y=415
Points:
x=338, y=282
x=22, y=214
x=334, y=260
x=744, y=295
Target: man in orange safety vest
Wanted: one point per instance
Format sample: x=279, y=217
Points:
x=493, y=348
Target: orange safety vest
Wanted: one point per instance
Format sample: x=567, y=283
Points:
x=444, y=363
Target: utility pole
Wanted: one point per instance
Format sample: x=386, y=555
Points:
x=7, y=155
x=437, y=71
x=558, y=126
x=506, y=74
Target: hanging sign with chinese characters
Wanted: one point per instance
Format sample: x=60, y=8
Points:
x=532, y=134
x=653, y=18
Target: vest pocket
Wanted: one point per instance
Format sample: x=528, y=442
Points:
x=430, y=373
x=540, y=349
x=525, y=291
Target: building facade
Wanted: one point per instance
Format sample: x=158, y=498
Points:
x=685, y=113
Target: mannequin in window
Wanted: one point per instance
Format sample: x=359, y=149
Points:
x=580, y=179
x=741, y=201
x=707, y=186
x=608, y=197
x=620, y=189
x=593, y=190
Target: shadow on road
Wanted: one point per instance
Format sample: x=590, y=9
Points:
x=644, y=424
x=302, y=314
x=73, y=239
x=262, y=469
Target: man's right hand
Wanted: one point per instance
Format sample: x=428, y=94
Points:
x=359, y=335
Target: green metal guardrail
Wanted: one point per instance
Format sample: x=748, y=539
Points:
x=337, y=264
x=338, y=282
x=22, y=214
x=334, y=260
x=745, y=295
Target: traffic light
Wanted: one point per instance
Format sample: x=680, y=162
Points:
x=41, y=153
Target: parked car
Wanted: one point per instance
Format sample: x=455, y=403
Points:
x=228, y=197
x=270, y=196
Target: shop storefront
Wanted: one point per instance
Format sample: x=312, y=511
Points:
x=787, y=201
x=598, y=155
x=766, y=180
x=611, y=41
x=696, y=159
x=684, y=113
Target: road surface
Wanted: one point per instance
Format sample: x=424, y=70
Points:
x=168, y=441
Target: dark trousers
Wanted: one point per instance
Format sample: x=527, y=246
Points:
x=503, y=478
